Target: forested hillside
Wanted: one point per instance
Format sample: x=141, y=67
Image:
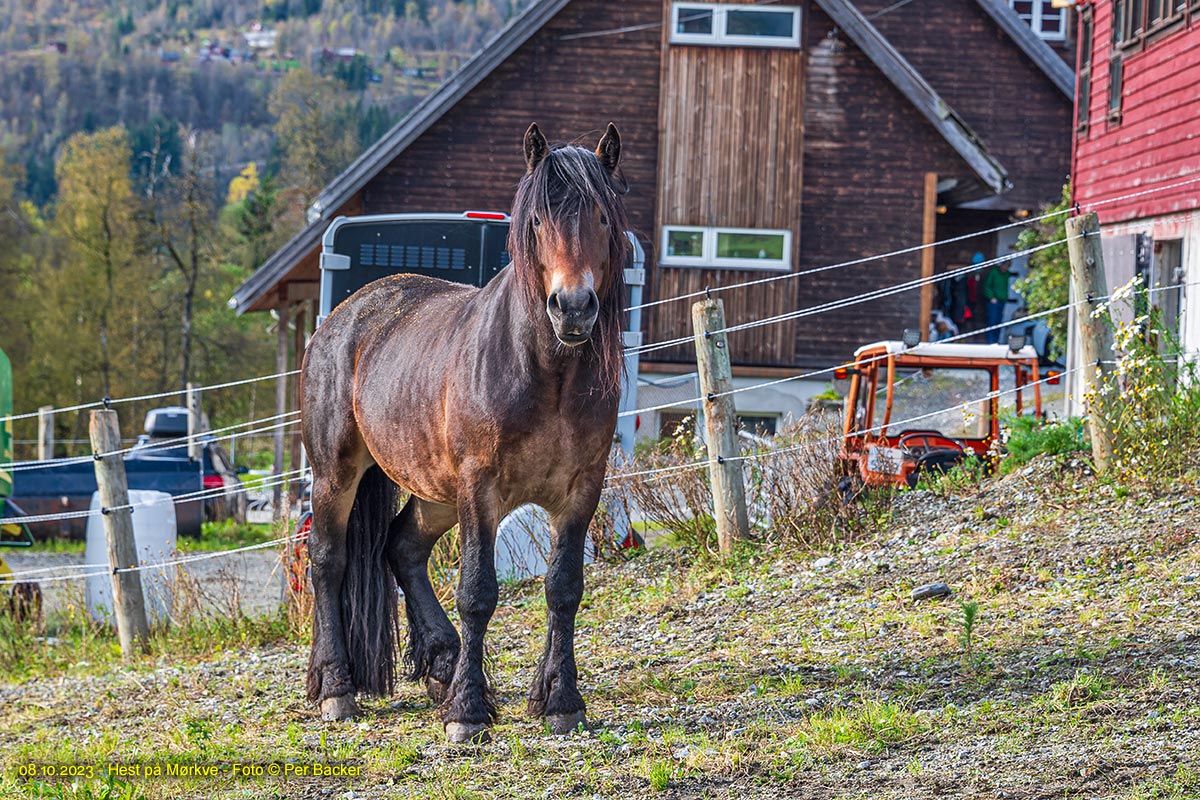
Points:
x=154, y=152
x=74, y=65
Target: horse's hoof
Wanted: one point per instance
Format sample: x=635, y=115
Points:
x=436, y=690
x=334, y=709
x=560, y=724
x=467, y=733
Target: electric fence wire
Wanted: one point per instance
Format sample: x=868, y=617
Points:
x=915, y=349
x=188, y=497
x=916, y=248
x=709, y=462
x=149, y=447
x=158, y=396
x=846, y=302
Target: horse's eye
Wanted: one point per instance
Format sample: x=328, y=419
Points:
x=537, y=222
x=603, y=220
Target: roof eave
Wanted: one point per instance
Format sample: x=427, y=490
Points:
x=1040, y=53
x=376, y=157
x=905, y=77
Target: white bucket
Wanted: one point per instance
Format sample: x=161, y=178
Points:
x=523, y=544
x=154, y=535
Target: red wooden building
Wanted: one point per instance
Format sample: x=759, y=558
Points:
x=761, y=140
x=1137, y=133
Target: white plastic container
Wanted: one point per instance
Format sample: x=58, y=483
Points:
x=523, y=544
x=154, y=534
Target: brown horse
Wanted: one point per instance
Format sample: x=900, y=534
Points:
x=475, y=401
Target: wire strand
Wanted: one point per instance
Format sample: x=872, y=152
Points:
x=19, y=466
x=916, y=248
x=158, y=396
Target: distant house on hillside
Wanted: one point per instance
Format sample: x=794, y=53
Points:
x=760, y=140
x=339, y=54
x=1137, y=132
x=259, y=38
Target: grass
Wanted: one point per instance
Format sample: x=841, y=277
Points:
x=869, y=727
x=750, y=677
x=227, y=535
x=55, y=545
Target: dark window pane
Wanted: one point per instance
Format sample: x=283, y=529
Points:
x=1114, y=86
x=1085, y=96
x=694, y=20
x=750, y=245
x=689, y=244
x=1085, y=42
x=760, y=23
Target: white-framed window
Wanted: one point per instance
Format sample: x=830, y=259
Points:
x=735, y=25
x=1048, y=22
x=726, y=248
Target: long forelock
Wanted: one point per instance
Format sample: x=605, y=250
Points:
x=568, y=182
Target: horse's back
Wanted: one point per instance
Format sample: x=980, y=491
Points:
x=392, y=311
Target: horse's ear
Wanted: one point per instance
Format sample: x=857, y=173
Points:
x=609, y=149
x=535, y=147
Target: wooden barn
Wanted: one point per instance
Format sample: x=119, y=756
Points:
x=1137, y=132
x=759, y=140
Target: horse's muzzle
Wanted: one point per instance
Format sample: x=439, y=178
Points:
x=573, y=314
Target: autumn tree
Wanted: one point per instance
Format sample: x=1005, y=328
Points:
x=316, y=131
x=97, y=216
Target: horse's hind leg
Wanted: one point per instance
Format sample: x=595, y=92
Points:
x=329, y=681
x=555, y=690
x=432, y=641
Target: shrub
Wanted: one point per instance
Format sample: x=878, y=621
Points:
x=1029, y=437
x=1150, y=401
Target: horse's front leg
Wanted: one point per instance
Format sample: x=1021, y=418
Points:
x=469, y=708
x=555, y=690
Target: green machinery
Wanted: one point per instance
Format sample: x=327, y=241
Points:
x=11, y=534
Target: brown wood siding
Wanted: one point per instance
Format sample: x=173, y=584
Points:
x=866, y=151
x=471, y=157
x=731, y=155
x=1022, y=117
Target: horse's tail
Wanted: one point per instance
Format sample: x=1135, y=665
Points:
x=368, y=595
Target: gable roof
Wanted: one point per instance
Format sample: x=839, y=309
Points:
x=385, y=150
x=1032, y=45
x=905, y=77
x=375, y=158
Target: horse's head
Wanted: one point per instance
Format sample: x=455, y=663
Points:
x=567, y=236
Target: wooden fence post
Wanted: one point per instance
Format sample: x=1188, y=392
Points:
x=129, y=605
x=928, y=236
x=193, y=427
x=279, y=496
x=45, y=449
x=1095, y=335
x=720, y=424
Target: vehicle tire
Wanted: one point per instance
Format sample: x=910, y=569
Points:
x=850, y=488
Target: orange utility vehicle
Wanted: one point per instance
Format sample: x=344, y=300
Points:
x=927, y=406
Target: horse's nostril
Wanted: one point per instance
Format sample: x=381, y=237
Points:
x=552, y=304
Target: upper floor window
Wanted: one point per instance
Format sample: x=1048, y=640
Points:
x=736, y=248
x=1134, y=20
x=1048, y=22
x=736, y=25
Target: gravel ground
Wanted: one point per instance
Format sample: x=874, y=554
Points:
x=785, y=674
